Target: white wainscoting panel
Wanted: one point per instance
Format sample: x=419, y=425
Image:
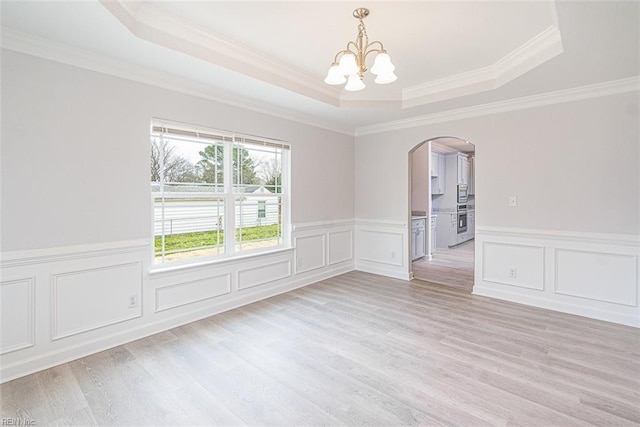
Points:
x=513, y=264
x=310, y=252
x=93, y=298
x=262, y=274
x=587, y=274
x=192, y=291
x=17, y=314
x=66, y=303
x=340, y=246
x=382, y=248
x=597, y=275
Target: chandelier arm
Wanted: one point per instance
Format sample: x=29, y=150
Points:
x=342, y=52
x=369, y=46
x=374, y=50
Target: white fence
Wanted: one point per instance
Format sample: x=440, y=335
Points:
x=189, y=216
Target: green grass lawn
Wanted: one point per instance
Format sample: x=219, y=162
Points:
x=186, y=241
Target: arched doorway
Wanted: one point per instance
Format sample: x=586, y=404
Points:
x=442, y=206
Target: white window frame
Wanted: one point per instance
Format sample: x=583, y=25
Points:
x=229, y=139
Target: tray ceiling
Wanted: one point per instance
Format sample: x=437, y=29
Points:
x=267, y=56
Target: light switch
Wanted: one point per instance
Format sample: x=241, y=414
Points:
x=513, y=201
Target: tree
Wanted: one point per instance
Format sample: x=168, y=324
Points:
x=271, y=175
x=176, y=167
x=212, y=164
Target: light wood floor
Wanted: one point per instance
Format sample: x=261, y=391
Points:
x=353, y=350
x=449, y=266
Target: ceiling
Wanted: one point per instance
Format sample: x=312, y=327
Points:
x=273, y=56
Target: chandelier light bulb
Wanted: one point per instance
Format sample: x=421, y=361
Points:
x=384, y=78
x=354, y=83
x=348, y=65
x=382, y=64
x=334, y=76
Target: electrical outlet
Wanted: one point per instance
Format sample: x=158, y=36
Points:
x=299, y=262
x=513, y=201
x=513, y=273
x=393, y=255
x=133, y=300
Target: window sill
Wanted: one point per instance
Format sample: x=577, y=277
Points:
x=163, y=269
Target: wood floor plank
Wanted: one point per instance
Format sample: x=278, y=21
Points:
x=356, y=349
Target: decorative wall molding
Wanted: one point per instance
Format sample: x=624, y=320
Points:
x=154, y=24
x=569, y=236
x=167, y=298
x=180, y=294
x=340, y=247
x=322, y=224
x=17, y=314
x=86, y=299
x=578, y=277
x=315, y=249
x=382, y=248
x=587, y=274
x=47, y=49
x=46, y=358
x=527, y=260
x=531, y=54
x=43, y=48
x=262, y=274
x=39, y=256
x=630, y=84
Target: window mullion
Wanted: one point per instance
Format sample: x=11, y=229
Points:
x=230, y=202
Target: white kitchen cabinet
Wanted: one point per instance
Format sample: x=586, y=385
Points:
x=438, y=181
x=463, y=168
x=471, y=225
x=471, y=175
x=418, y=228
x=434, y=165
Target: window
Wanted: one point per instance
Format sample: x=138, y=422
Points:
x=262, y=209
x=216, y=193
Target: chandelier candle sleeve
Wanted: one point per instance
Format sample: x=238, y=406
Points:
x=349, y=65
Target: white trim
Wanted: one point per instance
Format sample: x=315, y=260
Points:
x=543, y=301
x=39, y=256
x=160, y=27
x=31, y=313
x=526, y=57
x=43, y=48
x=323, y=224
x=161, y=269
x=38, y=362
x=380, y=222
x=618, y=303
x=630, y=84
x=368, y=267
x=573, y=236
x=56, y=334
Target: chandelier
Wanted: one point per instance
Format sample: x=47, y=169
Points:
x=349, y=64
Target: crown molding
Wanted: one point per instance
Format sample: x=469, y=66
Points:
x=40, y=47
x=157, y=26
x=630, y=84
x=531, y=54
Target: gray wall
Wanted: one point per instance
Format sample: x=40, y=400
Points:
x=75, y=155
x=573, y=166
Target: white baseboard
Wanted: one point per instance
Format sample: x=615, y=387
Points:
x=375, y=269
